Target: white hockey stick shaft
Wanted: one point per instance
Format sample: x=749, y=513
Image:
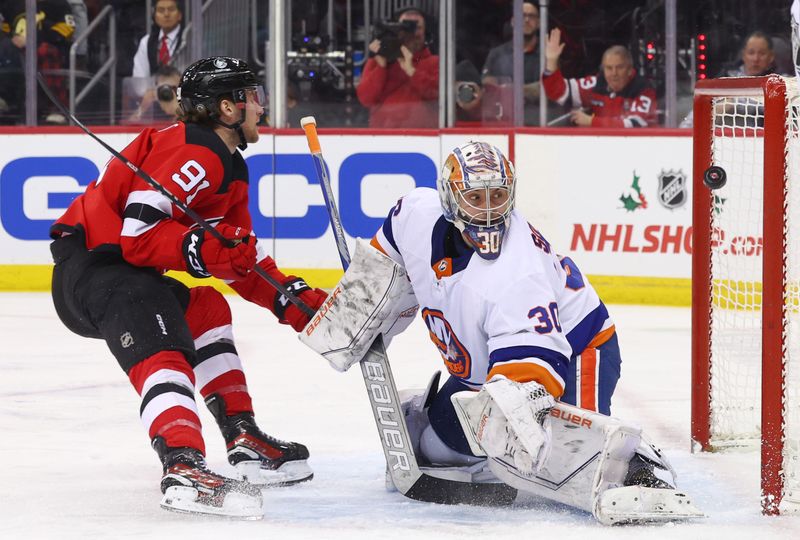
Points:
x=375, y=367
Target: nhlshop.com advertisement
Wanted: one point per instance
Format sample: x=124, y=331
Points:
x=620, y=206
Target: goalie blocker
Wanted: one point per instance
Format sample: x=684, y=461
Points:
x=373, y=298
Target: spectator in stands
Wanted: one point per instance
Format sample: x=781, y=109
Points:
x=402, y=93
x=757, y=57
x=54, y=30
x=81, y=17
x=11, y=76
x=158, y=47
x=616, y=97
x=499, y=66
x=167, y=79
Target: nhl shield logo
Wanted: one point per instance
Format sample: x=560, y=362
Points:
x=672, y=189
x=126, y=340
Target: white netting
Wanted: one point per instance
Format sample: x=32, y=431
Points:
x=792, y=352
x=736, y=273
x=737, y=227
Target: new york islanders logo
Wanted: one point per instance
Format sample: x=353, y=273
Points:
x=455, y=355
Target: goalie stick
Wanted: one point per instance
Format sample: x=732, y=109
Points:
x=401, y=462
x=175, y=200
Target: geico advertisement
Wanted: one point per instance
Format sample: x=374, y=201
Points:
x=620, y=205
x=41, y=174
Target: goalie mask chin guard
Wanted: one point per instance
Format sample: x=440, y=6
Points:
x=476, y=190
x=207, y=81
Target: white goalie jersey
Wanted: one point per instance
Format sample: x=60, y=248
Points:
x=522, y=315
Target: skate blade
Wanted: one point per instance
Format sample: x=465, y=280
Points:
x=638, y=504
x=290, y=473
x=235, y=506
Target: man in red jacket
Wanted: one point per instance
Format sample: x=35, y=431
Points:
x=402, y=93
x=615, y=97
x=111, y=248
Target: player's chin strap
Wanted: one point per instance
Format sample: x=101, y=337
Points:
x=236, y=126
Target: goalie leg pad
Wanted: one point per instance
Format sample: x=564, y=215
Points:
x=373, y=297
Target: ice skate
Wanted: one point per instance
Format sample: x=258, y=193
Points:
x=260, y=459
x=190, y=487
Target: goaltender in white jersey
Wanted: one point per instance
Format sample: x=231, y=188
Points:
x=524, y=314
x=524, y=337
x=493, y=293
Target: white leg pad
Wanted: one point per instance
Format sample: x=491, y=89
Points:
x=587, y=468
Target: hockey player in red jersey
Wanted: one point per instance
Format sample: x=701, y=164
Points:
x=111, y=248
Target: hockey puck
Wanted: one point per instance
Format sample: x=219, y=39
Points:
x=715, y=177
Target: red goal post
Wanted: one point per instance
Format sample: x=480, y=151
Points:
x=744, y=277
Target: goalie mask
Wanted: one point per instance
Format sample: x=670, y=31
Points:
x=476, y=189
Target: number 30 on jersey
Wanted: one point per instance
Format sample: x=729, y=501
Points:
x=490, y=241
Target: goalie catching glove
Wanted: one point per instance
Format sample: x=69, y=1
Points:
x=205, y=255
x=508, y=420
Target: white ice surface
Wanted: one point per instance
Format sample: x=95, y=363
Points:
x=78, y=464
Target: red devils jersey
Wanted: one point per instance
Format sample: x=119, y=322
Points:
x=635, y=106
x=121, y=212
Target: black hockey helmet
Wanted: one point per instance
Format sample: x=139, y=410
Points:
x=209, y=79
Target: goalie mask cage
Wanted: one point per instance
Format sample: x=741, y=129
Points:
x=746, y=278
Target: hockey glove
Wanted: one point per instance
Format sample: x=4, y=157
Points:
x=287, y=312
x=526, y=408
x=509, y=421
x=206, y=256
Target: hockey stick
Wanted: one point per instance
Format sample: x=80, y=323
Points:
x=176, y=201
x=401, y=462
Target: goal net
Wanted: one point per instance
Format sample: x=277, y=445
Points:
x=746, y=278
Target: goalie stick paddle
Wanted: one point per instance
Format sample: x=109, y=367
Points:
x=175, y=200
x=382, y=392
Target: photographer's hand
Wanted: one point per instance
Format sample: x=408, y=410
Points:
x=406, y=61
x=374, y=47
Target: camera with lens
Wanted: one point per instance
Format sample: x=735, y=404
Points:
x=466, y=92
x=392, y=35
x=165, y=92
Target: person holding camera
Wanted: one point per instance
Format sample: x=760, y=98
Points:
x=469, y=93
x=400, y=82
x=167, y=80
